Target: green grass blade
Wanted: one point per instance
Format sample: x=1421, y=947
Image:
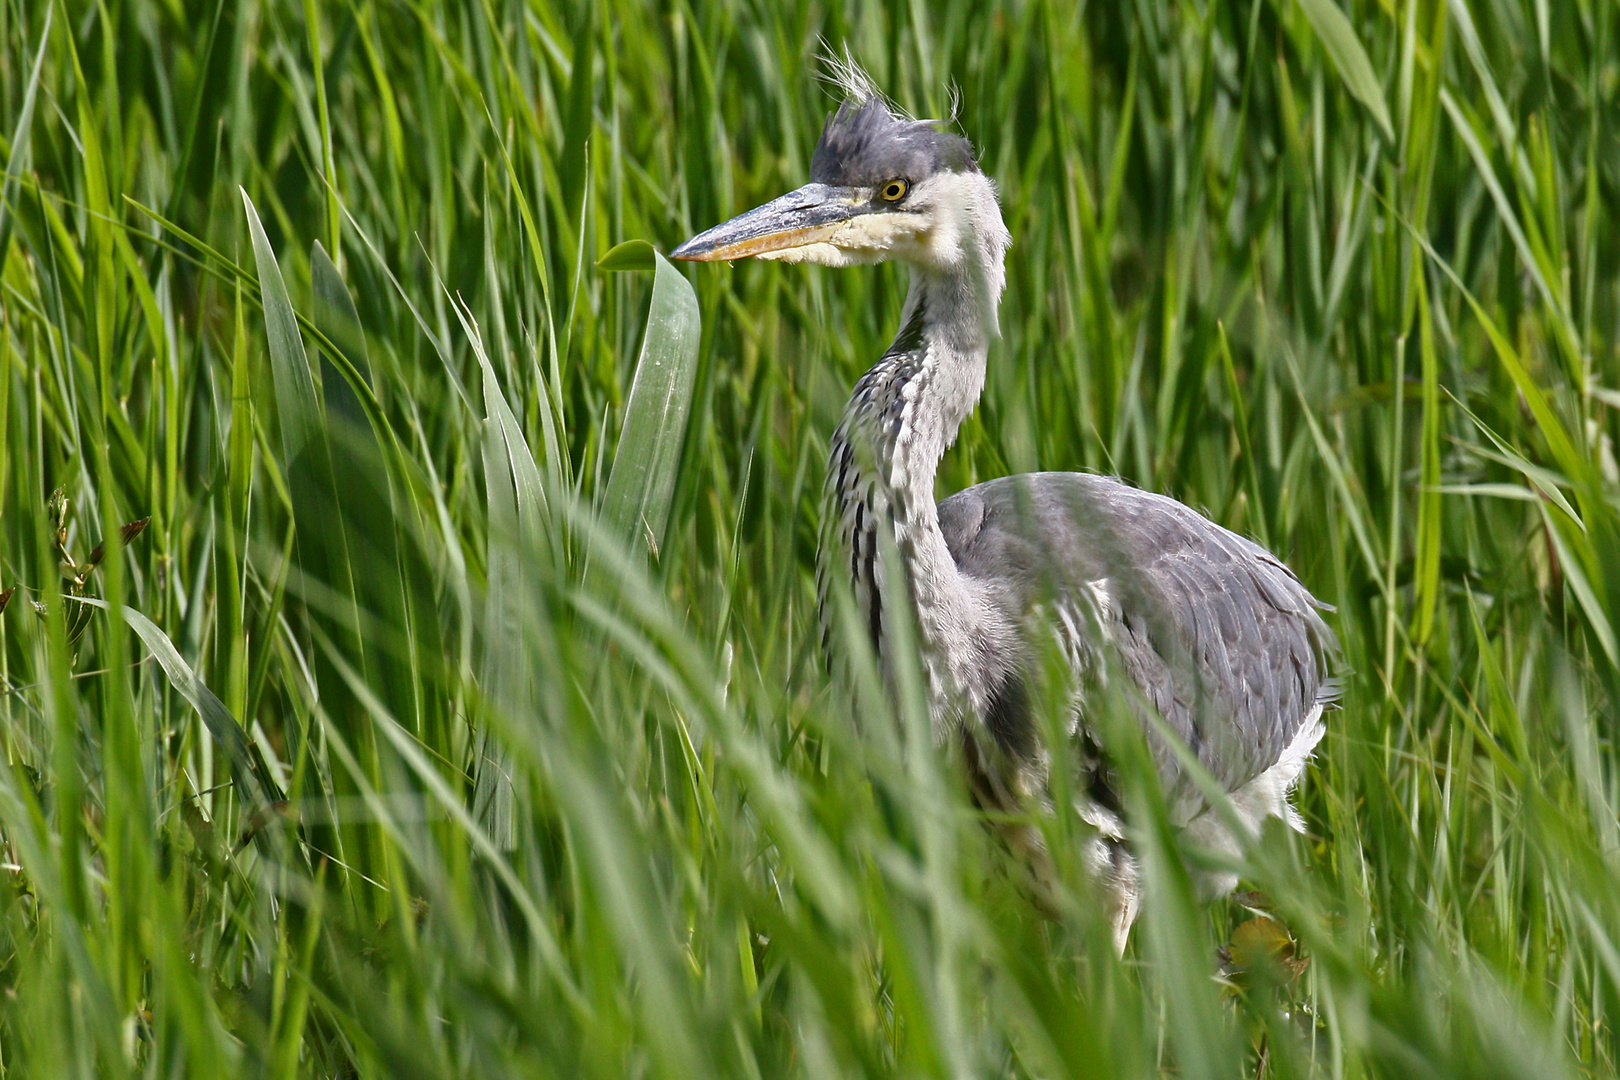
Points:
x=22, y=138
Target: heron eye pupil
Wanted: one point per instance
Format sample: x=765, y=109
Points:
x=894, y=190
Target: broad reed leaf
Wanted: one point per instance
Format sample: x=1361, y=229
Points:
x=349, y=569
x=505, y=670
x=630, y=255
x=335, y=316
x=640, y=488
x=518, y=549
x=297, y=406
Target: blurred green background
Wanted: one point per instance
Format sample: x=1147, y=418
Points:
x=467, y=727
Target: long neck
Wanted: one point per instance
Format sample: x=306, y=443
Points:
x=935, y=371
x=901, y=418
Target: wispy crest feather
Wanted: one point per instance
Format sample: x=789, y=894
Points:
x=953, y=96
x=841, y=71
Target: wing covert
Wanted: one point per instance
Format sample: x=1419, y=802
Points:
x=1218, y=634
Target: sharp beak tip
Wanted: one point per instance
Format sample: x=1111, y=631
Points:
x=692, y=251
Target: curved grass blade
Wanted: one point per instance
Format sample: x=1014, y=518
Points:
x=253, y=780
x=1338, y=37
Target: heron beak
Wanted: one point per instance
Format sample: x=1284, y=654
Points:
x=811, y=215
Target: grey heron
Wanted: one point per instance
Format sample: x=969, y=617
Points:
x=1219, y=637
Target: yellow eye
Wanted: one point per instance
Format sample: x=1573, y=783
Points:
x=894, y=190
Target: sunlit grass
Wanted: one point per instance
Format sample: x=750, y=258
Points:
x=526, y=791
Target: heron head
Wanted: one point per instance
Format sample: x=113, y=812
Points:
x=882, y=186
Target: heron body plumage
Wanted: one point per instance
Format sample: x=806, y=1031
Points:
x=1215, y=635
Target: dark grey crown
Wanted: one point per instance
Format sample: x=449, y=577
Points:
x=865, y=144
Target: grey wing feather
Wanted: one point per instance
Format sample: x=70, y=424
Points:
x=1218, y=634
